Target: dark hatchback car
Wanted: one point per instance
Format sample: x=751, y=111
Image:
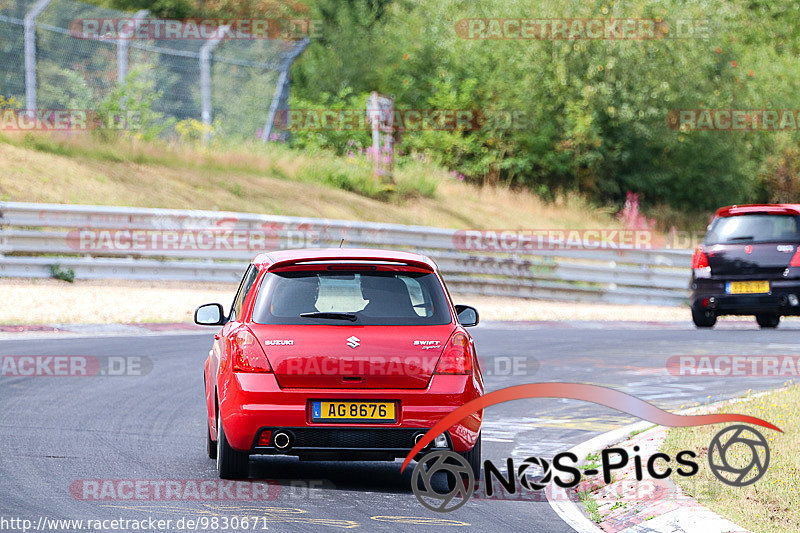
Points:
x=748, y=264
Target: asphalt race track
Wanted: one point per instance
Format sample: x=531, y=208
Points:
x=58, y=431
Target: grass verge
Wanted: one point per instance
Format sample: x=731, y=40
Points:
x=772, y=504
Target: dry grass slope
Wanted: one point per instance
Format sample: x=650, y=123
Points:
x=264, y=179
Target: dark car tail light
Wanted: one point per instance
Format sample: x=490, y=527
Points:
x=699, y=258
x=247, y=354
x=457, y=356
x=795, y=258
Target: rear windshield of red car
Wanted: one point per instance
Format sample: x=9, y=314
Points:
x=757, y=227
x=362, y=298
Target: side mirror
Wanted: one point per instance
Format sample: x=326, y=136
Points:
x=467, y=316
x=210, y=315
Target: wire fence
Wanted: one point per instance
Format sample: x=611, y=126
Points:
x=49, y=61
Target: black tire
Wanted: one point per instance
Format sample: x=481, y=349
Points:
x=473, y=457
x=231, y=464
x=768, y=320
x=211, y=445
x=703, y=318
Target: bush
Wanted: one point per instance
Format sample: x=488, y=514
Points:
x=56, y=272
x=193, y=131
x=781, y=178
x=128, y=109
x=340, y=141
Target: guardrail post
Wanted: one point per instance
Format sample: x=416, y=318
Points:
x=30, y=53
x=205, y=75
x=122, y=46
x=281, y=98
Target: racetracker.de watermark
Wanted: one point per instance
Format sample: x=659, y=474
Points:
x=194, y=490
x=195, y=29
x=522, y=240
x=734, y=119
x=623, y=491
x=66, y=120
x=403, y=119
x=574, y=29
x=734, y=365
x=73, y=366
x=224, y=235
x=408, y=365
x=174, y=240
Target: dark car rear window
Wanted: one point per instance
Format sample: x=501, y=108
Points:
x=375, y=298
x=754, y=228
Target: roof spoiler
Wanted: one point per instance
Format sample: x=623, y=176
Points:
x=752, y=209
x=348, y=259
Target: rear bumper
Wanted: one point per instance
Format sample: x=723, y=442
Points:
x=783, y=298
x=252, y=403
x=344, y=443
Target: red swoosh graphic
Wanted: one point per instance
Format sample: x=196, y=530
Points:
x=588, y=393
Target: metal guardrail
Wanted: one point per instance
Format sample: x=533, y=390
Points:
x=35, y=236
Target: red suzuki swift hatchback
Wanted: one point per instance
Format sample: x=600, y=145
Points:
x=338, y=354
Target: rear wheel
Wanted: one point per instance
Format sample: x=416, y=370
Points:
x=211, y=446
x=473, y=457
x=231, y=464
x=768, y=320
x=703, y=318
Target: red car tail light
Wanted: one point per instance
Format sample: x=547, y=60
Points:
x=265, y=439
x=795, y=259
x=699, y=258
x=246, y=353
x=457, y=356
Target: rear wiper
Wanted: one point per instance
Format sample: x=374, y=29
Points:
x=742, y=238
x=335, y=316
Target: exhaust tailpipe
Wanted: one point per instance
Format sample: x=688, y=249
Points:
x=282, y=440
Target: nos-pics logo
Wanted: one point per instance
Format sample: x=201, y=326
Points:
x=443, y=480
x=460, y=476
